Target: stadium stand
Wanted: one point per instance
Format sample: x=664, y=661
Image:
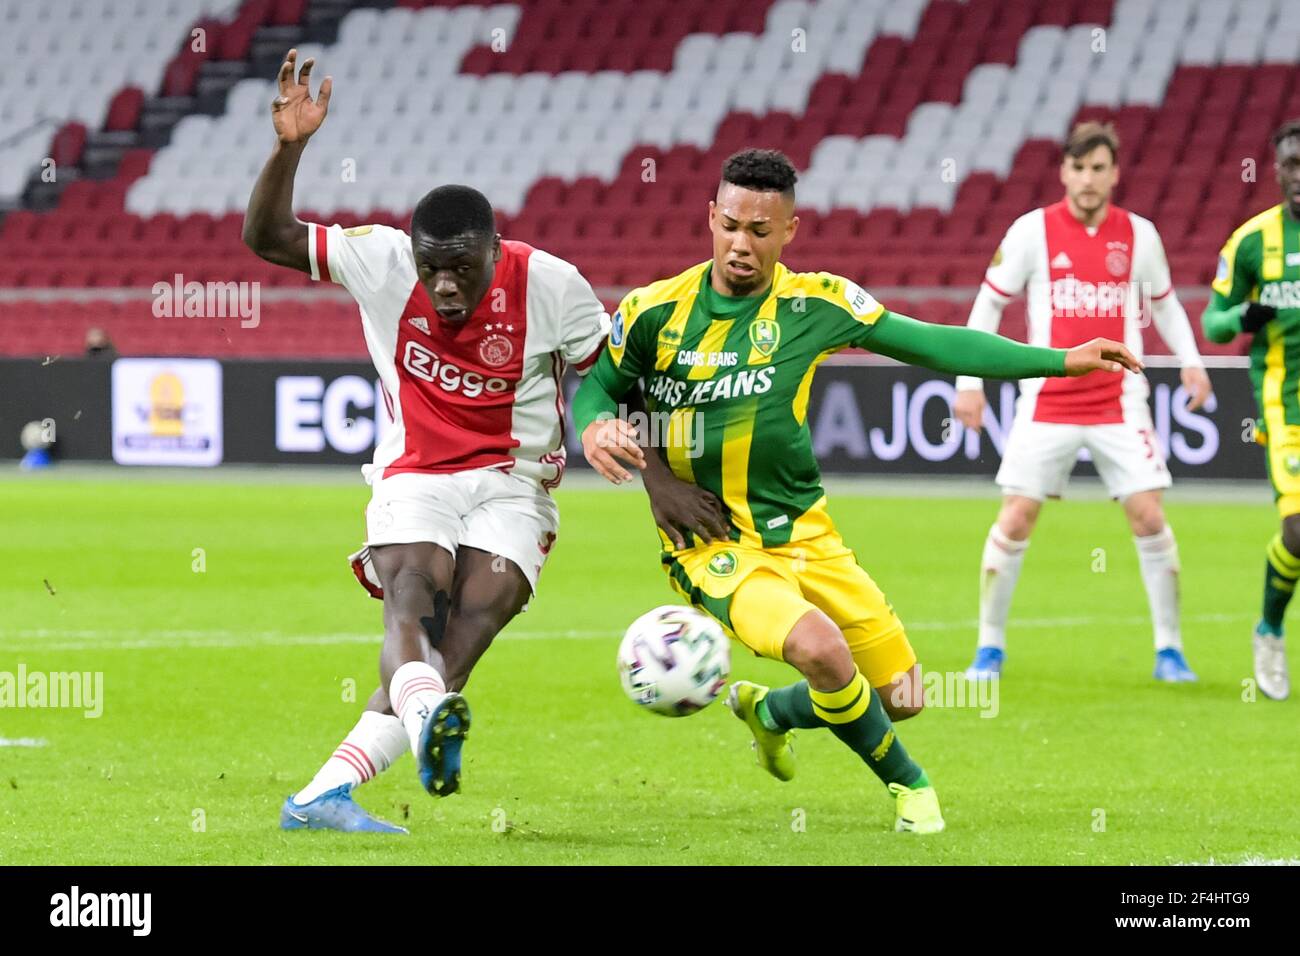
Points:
x=922, y=129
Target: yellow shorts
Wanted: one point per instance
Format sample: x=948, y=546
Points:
x=1282, y=446
x=758, y=594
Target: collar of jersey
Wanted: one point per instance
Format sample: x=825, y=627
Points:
x=715, y=303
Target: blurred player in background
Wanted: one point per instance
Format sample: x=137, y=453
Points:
x=470, y=335
x=1257, y=292
x=728, y=349
x=1089, y=267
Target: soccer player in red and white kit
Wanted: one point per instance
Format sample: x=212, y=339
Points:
x=1088, y=267
x=470, y=335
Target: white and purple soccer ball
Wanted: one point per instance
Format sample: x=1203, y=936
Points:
x=674, y=660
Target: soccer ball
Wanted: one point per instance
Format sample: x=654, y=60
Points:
x=674, y=660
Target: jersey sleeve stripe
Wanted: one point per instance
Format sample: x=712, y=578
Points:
x=311, y=252
x=1005, y=295
x=1157, y=298
x=321, y=261
x=590, y=360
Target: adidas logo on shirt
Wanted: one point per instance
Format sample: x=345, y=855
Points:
x=1062, y=261
x=421, y=323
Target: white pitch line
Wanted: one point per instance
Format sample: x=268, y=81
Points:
x=1245, y=861
x=55, y=639
x=21, y=742
x=107, y=640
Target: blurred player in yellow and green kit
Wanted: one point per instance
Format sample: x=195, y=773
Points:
x=1257, y=292
x=726, y=351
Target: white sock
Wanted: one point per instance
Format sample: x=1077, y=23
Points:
x=999, y=570
x=414, y=691
x=367, y=751
x=1158, y=556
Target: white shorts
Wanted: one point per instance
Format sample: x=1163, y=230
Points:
x=488, y=509
x=1039, y=456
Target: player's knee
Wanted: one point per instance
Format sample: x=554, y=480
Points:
x=1146, y=519
x=1017, y=519
x=816, y=648
x=469, y=633
x=415, y=602
x=1148, y=525
x=409, y=585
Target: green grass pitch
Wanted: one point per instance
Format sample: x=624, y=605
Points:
x=224, y=688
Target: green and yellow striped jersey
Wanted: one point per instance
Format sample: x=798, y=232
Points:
x=1261, y=263
x=731, y=377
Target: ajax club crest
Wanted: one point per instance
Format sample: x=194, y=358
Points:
x=495, y=350
x=1117, y=259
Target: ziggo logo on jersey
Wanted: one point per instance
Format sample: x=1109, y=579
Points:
x=426, y=365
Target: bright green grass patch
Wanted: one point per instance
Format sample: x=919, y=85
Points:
x=224, y=689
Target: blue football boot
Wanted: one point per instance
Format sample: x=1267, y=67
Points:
x=1171, y=667
x=333, y=810
x=441, y=739
x=987, y=664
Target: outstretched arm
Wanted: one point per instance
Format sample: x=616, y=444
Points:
x=985, y=315
x=271, y=229
x=964, y=351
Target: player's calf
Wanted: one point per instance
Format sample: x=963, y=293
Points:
x=853, y=711
x=489, y=590
x=415, y=620
x=816, y=648
x=903, y=697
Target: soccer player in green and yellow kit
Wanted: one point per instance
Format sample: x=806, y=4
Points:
x=727, y=349
x=1257, y=291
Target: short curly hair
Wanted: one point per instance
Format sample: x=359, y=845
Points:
x=1286, y=131
x=765, y=170
x=452, y=211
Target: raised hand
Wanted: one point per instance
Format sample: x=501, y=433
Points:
x=295, y=115
x=1104, y=354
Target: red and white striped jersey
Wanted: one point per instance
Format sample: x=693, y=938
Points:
x=1083, y=283
x=486, y=393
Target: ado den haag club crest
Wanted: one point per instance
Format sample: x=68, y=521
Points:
x=723, y=564
x=765, y=334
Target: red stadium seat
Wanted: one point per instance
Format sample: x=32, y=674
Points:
x=124, y=110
